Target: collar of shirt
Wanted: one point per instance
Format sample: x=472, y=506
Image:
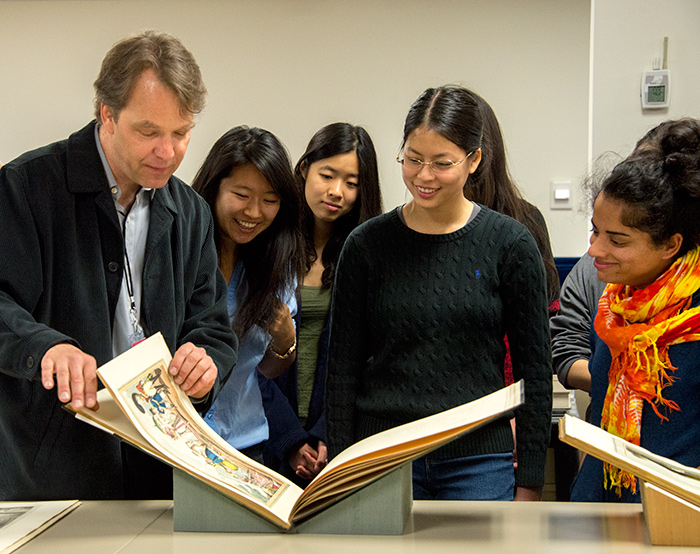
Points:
x=111, y=181
x=135, y=225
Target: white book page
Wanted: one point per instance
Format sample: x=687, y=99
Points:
x=466, y=416
x=663, y=472
x=22, y=521
x=374, y=456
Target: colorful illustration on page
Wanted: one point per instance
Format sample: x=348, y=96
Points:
x=157, y=410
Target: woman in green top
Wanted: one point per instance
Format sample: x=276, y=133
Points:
x=338, y=178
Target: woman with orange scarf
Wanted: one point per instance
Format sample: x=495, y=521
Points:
x=645, y=365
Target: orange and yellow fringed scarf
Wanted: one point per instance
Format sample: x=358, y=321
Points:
x=639, y=325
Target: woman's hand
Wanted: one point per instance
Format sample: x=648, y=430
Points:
x=282, y=331
x=308, y=462
x=283, y=337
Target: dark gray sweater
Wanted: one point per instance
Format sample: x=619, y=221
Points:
x=571, y=326
x=417, y=328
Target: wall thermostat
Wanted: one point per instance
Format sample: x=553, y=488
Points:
x=656, y=88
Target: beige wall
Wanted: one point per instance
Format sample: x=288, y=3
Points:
x=294, y=65
x=629, y=34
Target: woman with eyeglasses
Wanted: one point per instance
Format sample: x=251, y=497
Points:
x=423, y=298
x=247, y=181
x=337, y=179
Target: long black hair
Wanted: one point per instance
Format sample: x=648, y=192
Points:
x=274, y=259
x=452, y=112
x=332, y=140
x=493, y=186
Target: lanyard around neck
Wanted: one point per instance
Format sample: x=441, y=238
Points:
x=133, y=311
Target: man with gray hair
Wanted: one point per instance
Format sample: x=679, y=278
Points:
x=101, y=246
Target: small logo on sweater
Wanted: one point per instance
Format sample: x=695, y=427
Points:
x=478, y=273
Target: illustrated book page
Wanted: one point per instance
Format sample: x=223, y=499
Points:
x=666, y=474
x=163, y=415
x=143, y=405
x=22, y=521
x=111, y=419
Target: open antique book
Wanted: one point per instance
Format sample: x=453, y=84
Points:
x=141, y=404
x=680, y=480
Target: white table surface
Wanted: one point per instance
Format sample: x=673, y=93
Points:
x=435, y=528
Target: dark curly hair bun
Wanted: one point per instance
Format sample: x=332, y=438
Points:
x=659, y=183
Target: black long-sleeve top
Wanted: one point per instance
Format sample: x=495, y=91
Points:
x=417, y=327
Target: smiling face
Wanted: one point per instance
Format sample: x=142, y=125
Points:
x=433, y=189
x=145, y=143
x=332, y=188
x=246, y=205
x=625, y=255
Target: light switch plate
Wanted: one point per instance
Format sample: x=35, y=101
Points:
x=561, y=195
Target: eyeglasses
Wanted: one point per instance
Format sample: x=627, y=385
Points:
x=438, y=166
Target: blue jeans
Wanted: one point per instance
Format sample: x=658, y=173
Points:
x=485, y=477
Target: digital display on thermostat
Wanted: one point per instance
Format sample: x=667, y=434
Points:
x=656, y=93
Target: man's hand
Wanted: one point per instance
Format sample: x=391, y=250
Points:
x=308, y=462
x=76, y=375
x=193, y=369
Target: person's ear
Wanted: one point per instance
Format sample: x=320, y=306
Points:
x=673, y=245
x=304, y=169
x=108, y=118
x=474, y=160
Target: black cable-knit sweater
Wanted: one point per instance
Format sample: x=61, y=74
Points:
x=418, y=323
